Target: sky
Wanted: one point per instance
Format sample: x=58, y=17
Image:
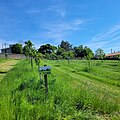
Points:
x=92, y=23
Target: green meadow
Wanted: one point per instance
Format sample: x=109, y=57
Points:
x=75, y=91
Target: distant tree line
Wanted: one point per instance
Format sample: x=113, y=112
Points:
x=63, y=51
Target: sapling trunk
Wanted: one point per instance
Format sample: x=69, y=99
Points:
x=38, y=64
x=68, y=62
x=89, y=64
x=32, y=62
x=46, y=83
x=41, y=79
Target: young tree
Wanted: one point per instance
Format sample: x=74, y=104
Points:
x=27, y=48
x=68, y=55
x=38, y=56
x=29, y=51
x=88, y=55
x=26, y=51
x=32, y=55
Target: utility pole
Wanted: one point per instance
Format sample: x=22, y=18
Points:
x=5, y=45
x=111, y=50
x=5, y=50
x=2, y=46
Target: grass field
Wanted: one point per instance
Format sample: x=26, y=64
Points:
x=5, y=66
x=75, y=91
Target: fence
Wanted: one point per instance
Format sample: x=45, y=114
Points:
x=10, y=55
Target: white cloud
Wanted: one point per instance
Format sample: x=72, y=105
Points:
x=61, y=31
x=57, y=7
x=115, y=31
x=106, y=40
x=1, y=44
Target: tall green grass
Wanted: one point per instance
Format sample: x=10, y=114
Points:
x=70, y=96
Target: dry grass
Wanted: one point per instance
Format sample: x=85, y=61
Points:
x=5, y=66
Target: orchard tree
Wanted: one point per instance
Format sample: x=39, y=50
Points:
x=29, y=51
x=38, y=56
x=26, y=51
x=68, y=55
x=27, y=48
x=32, y=55
x=88, y=55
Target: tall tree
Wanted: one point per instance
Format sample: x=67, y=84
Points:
x=99, y=53
x=17, y=48
x=88, y=54
x=47, y=49
x=66, y=45
x=79, y=51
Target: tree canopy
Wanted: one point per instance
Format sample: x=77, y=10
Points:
x=27, y=49
x=47, y=49
x=63, y=51
x=99, y=53
x=66, y=45
x=17, y=48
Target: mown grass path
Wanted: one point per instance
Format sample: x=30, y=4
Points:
x=5, y=66
x=95, y=87
x=102, y=90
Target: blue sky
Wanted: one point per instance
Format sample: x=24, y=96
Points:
x=95, y=23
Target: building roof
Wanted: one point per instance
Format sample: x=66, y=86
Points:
x=5, y=48
x=113, y=54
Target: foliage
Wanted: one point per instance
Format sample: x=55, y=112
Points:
x=38, y=57
x=59, y=51
x=47, y=49
x=68, y=55
x=17, y=48
x=66, y=45
x=53, y=56
x=88, y=53
x=79, y=51
x=27, y=49
x=99, y=53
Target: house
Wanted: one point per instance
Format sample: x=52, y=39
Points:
x=113, y=55
x=7, y=50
